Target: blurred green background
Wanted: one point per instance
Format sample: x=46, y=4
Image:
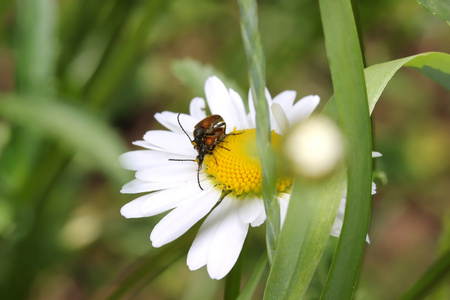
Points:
x=80, y=80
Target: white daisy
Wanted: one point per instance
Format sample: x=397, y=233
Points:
x=233, y=170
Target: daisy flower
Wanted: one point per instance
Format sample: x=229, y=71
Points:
x=228, y=187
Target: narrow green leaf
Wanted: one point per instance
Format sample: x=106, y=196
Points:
x=257, y=73
x=35, y=63
x=233, y=281
x=146, y=269
x=252, y=282
x=440, y=8
x=193, y=74
x=347, y=72
x=310, y=216
x=442, y=291
x=432, y=277
x=79, y=132
x=435, y=65
x=122, y=53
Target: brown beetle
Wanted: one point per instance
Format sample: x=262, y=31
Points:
x=208, y=133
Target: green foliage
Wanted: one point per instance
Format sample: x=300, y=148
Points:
x=311, y=213
x=440, y=8
x=193, y=75
x=257, y=73
x=75, y=75
x=76, y=131
x=343, y=53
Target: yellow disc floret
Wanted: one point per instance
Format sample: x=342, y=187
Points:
x=234, y=164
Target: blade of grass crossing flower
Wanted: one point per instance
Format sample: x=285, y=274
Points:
x=255, y=58
x=310, y=216
x=440, y=8
x=341, y=41
x=355, y=8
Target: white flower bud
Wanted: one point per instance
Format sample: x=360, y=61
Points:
x=314, y=147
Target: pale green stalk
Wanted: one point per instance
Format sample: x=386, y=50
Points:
x=255, y=58
x=347, y=73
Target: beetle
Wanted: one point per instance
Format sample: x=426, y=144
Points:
x=210, y=128
x=208, y=133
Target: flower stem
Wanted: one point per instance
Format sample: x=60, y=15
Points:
x=255, y=59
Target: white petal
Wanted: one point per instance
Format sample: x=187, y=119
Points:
x=143, y=144
x=283, y=201
x=219, y=100
x=189, y=212
x=280, y=117
x=227, y=243
x=261, y=217
x=251, y=108
x=302, y=109
x=142, y=159
x=133, y=209
x=239, y=114
x=249, y=209
x=339, y=221
x=273, y=123
x=374, y=188
x=170, y=121
x=164, y=200
x=197, y=108
x=285, y=99
x=376, y=154
x=341, y=209
x=198, y=253
x=337, y=227
x=252, y=114
x=163, y=140
x=169, y=171
x=283, y=103
x=139, y=186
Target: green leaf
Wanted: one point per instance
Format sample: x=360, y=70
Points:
x=310, y=216
x=252, y=282
x=257, y=73
x=433, y=64
x=36, y=22
x=440, y=8
x=193, y=74
x=73, y=128
x=347, y=72
x=233, y=281
x=122, y=52
x=432, y=277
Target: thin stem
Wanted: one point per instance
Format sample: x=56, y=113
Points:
x=255, y=59
x=431, y=279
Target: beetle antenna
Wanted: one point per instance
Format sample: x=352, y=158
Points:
x=198, y=170
x=179, y=123
x=198, y=179
x=177, y=159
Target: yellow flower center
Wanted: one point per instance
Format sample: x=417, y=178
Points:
x=234, y=164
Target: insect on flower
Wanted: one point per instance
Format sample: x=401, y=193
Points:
x=208, y=133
